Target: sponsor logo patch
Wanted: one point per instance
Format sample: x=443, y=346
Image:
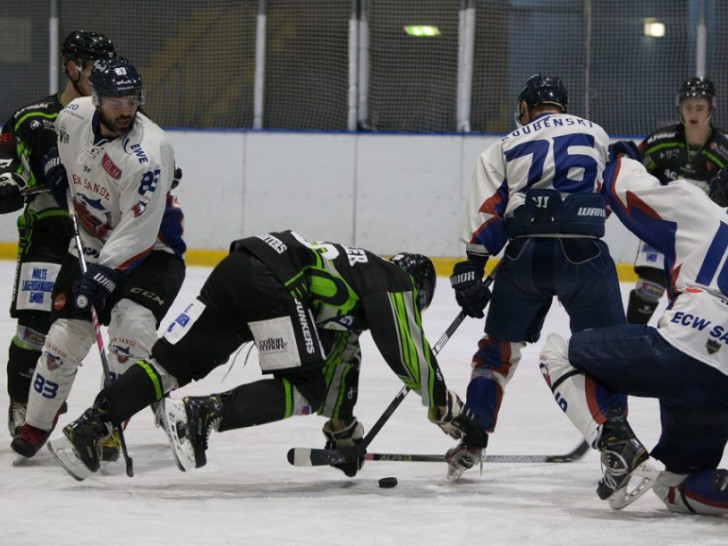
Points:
x=110, y=167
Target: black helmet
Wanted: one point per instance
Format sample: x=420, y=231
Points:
x=81, y=46
x=421, y=269
x=701, y=88
x=541, y=89
x=116, y=77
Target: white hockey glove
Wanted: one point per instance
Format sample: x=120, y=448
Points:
x=349, y=436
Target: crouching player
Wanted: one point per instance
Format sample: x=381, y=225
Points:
x=285, y=294
x=683, y=362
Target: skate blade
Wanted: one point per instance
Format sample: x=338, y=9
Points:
x=173, y=412
x=644, y=476
x=64, y=454
x=454, y=473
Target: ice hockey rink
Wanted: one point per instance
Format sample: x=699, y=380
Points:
x=249, y=494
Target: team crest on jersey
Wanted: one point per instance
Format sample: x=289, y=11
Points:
x=110, y=167
x=712, y=346
x=52, y=361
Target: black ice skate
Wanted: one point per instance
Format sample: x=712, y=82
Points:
x=188, y=423
x=79, y=449
x=471, y=448
x=623, y=457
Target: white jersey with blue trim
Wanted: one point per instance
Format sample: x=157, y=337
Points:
x=683, y=223
x=553, y=151
x=120, y=187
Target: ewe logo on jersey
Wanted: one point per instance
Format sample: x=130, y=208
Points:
x=110, y=167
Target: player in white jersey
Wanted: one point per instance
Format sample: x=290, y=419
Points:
x=683, y=362
x=119, y=166
x=535, y=191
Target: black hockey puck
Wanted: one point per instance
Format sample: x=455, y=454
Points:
x=388, y=482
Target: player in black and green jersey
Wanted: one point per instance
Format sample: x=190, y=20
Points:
x=694, y=150
x=304, y=305
x=44, y=227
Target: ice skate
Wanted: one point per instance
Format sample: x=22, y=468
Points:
x=188, y=423
x=623, y=457
x=16, y=417
x=461, y=458
x=79, y=449
x=30, y=439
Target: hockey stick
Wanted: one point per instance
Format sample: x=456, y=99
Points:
x=574, y=455
x=97, y=329
x=304, y=456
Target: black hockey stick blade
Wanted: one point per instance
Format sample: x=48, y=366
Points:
x=574, y=455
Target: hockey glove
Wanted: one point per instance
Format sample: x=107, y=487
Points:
x=55, y=176
x=470, y=291
x=718, y=188
x=443, y=416
x=176, y=177
x=94, y=288
x=11, y=188
x=349, y=436
x=624, y=148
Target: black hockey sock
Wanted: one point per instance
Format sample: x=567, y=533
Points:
x=256, y=404
x=133, y=391
x=21, y=365
x=639, y=310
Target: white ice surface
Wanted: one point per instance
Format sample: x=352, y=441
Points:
x=249, y=494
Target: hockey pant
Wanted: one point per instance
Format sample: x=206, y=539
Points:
x=132, y=331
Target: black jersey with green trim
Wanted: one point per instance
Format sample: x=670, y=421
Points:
x=331, y=278
x=667, y=156
x=26, y=138
x=351, y=289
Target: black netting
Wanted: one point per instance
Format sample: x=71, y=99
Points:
x=412, y=80
x=307, y=64
x=197, y=59
x=24, y=69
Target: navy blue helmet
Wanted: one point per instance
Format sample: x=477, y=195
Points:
x=540, y=89
x=115, y=78
x=421, y=269
x=81, y=46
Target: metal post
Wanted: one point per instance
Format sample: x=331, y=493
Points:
x=53, y=70
x=259, y=85
x=466, y=52
x=353, y=68
x=702, y=43
x=363, y=64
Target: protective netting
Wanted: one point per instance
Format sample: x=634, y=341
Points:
x=307, y=64
x=412, y=79
x=198, y=59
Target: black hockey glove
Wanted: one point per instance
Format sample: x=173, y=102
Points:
x=624, y=147
x=94, y=288
x=470, y=291
x=176, y=177
x=11, y=197
x=718, y=188
x=55, y=176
